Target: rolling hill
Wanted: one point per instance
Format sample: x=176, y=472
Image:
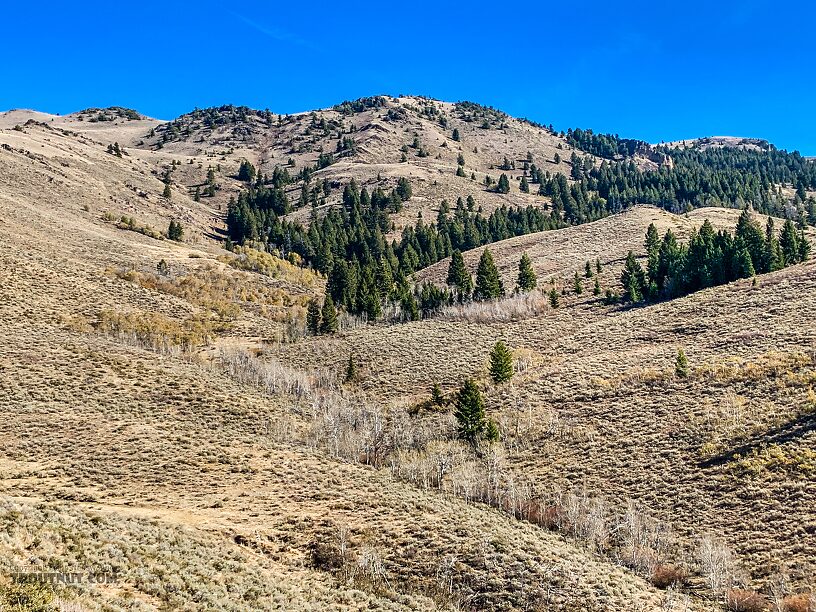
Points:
x=167, y=420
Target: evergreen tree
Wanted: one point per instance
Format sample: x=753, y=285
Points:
x=681, y=366
x=587, y=270
x=503, y=186
x=167, y=193
x=804, y=247
x=653, y=243
x=328, y=315
x=404, y=190
x=773, y=253
x=597, y=265
x=524, y=186
x=745, y=266
x=491, y=431
x=754, y=240
x=501, y=363
x=488, y=283
x=175, y=231
x=576, y=283
x=553, y=295
x=313, y=317
x=596, y=290
x=526, y=277
x=246, y=172
x=455, y=134
x=633, y=279
x=351, y=370
x=459, y=277
x=789, y=242
x=437, y=399
x=470, y=412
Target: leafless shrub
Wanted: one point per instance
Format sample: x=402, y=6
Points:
x=717, y=564
x=272, y=376
x=665, y=576
x=801, y=602
x=741, y=600
x=518, y=306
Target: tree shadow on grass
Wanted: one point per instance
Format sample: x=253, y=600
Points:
x=786, y=432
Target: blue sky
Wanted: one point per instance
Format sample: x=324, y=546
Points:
x=651, y=70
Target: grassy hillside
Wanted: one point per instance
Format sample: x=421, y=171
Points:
x=164, y=418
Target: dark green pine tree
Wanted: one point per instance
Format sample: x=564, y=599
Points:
x=488, y=283
x=524, y=186
x=167, y=192
x=351, y=370
x=789, y=243
x=470, y=412
x=175, y=231
x=553, y=295
x=527, y=280
x=653, y=243
x=804, y=247
x=501, y=363
x=633, y=279
x=576, y=284
x=459, y=277
x=745, y=267
x=773, y=254
x=596, y=289
x=503, y=186
x=313, y=317
x=455, y=134
x=587, y=270
x=754, y=240
x=328, y=315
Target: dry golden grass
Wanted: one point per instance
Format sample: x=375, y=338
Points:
x=201, y=482
x=726, y=451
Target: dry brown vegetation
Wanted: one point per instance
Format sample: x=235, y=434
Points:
x=156, y=426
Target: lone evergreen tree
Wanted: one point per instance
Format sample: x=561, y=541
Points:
x=470, y=412
x=455, y=134
x=596, y=289
x=328, y=324
x=503, y=186
x=437, y=399
x=553, y=294
x=459, y=277
x=501, y=363
x=527, y=280
x=351, y=370
x=313, y=317
x=488, y=283
x=175, y=231
x=587, y=270
x=167, y=192
x=491, y=431
x=681, y=366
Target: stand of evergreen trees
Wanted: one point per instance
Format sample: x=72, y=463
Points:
x=364, y=269
x=710, y=258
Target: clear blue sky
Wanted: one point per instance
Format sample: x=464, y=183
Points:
x=651, y=70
